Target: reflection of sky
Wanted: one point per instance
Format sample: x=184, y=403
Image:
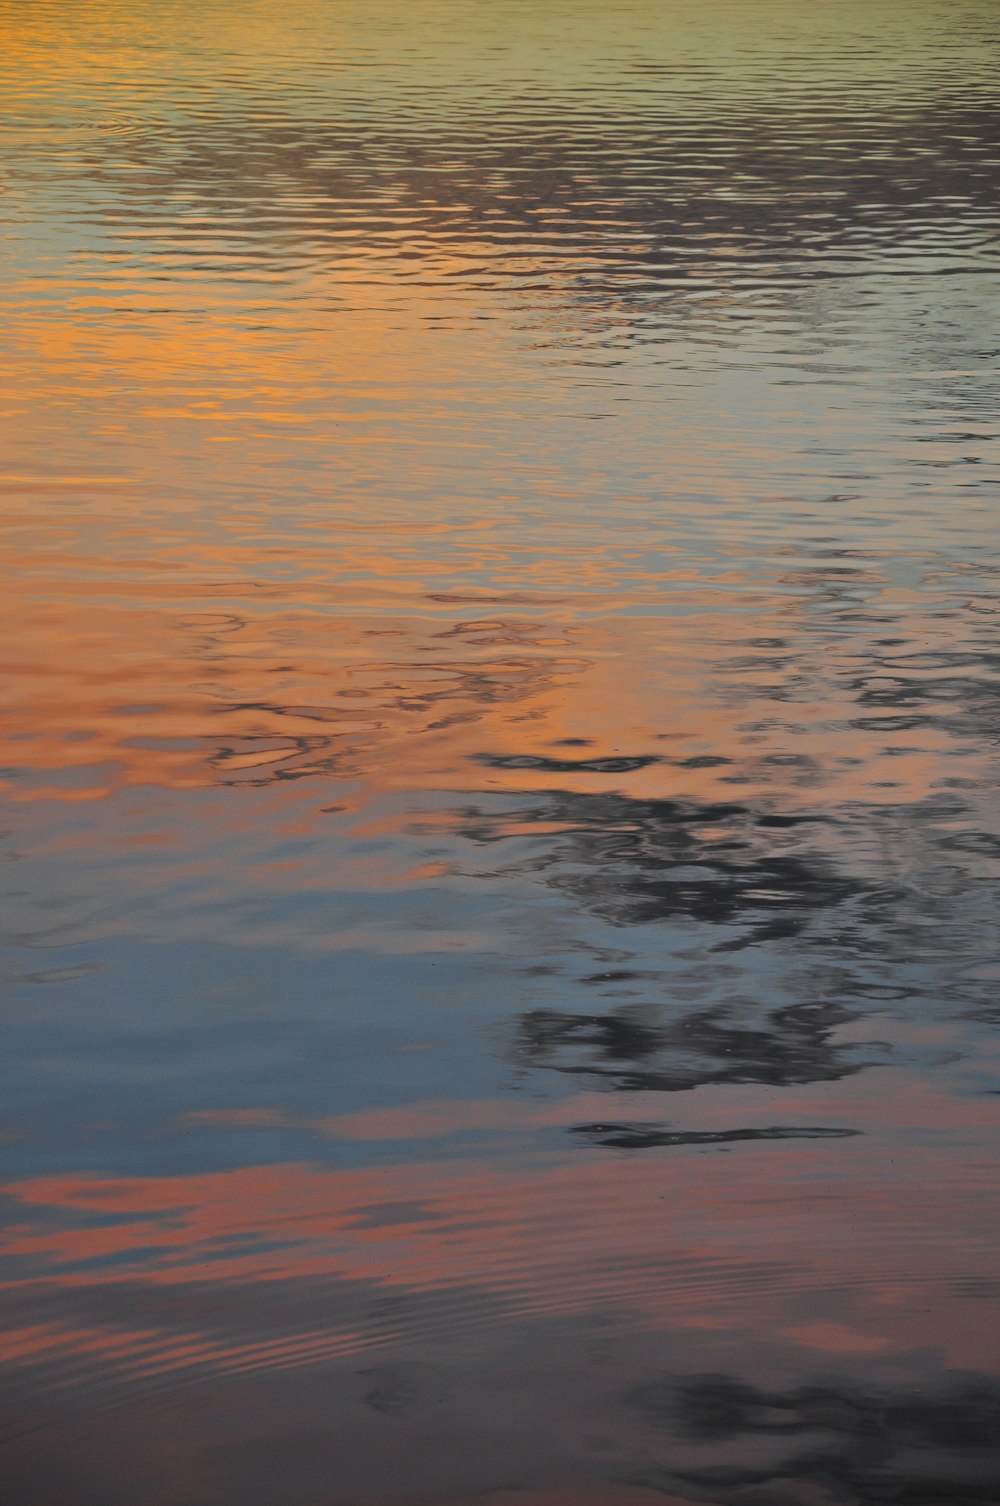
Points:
x=497, y=748
x=385, y=1278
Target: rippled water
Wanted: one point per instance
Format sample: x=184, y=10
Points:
x=500, y=727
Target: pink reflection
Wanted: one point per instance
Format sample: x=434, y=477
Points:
x=731, y=1243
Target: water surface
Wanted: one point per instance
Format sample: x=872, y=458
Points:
x=500, y=688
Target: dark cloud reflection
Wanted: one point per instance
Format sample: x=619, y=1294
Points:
x=637, y=1049
x=635, y=861
x=851, y=1444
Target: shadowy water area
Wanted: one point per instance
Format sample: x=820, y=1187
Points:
x=501, y=708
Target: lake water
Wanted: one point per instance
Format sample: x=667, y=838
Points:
x=500, y=687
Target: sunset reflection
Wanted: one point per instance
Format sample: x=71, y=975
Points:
x=499, y=689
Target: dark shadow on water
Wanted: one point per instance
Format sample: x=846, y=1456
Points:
x=567, y=765
x=651, y=1136
x=632, y=1048
x=635, y=861
x=859, y=1445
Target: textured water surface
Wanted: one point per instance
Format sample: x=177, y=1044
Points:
x=501, y=703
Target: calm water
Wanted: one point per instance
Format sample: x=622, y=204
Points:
x=500, y=686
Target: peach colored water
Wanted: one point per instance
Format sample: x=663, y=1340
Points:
x=500, y=721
